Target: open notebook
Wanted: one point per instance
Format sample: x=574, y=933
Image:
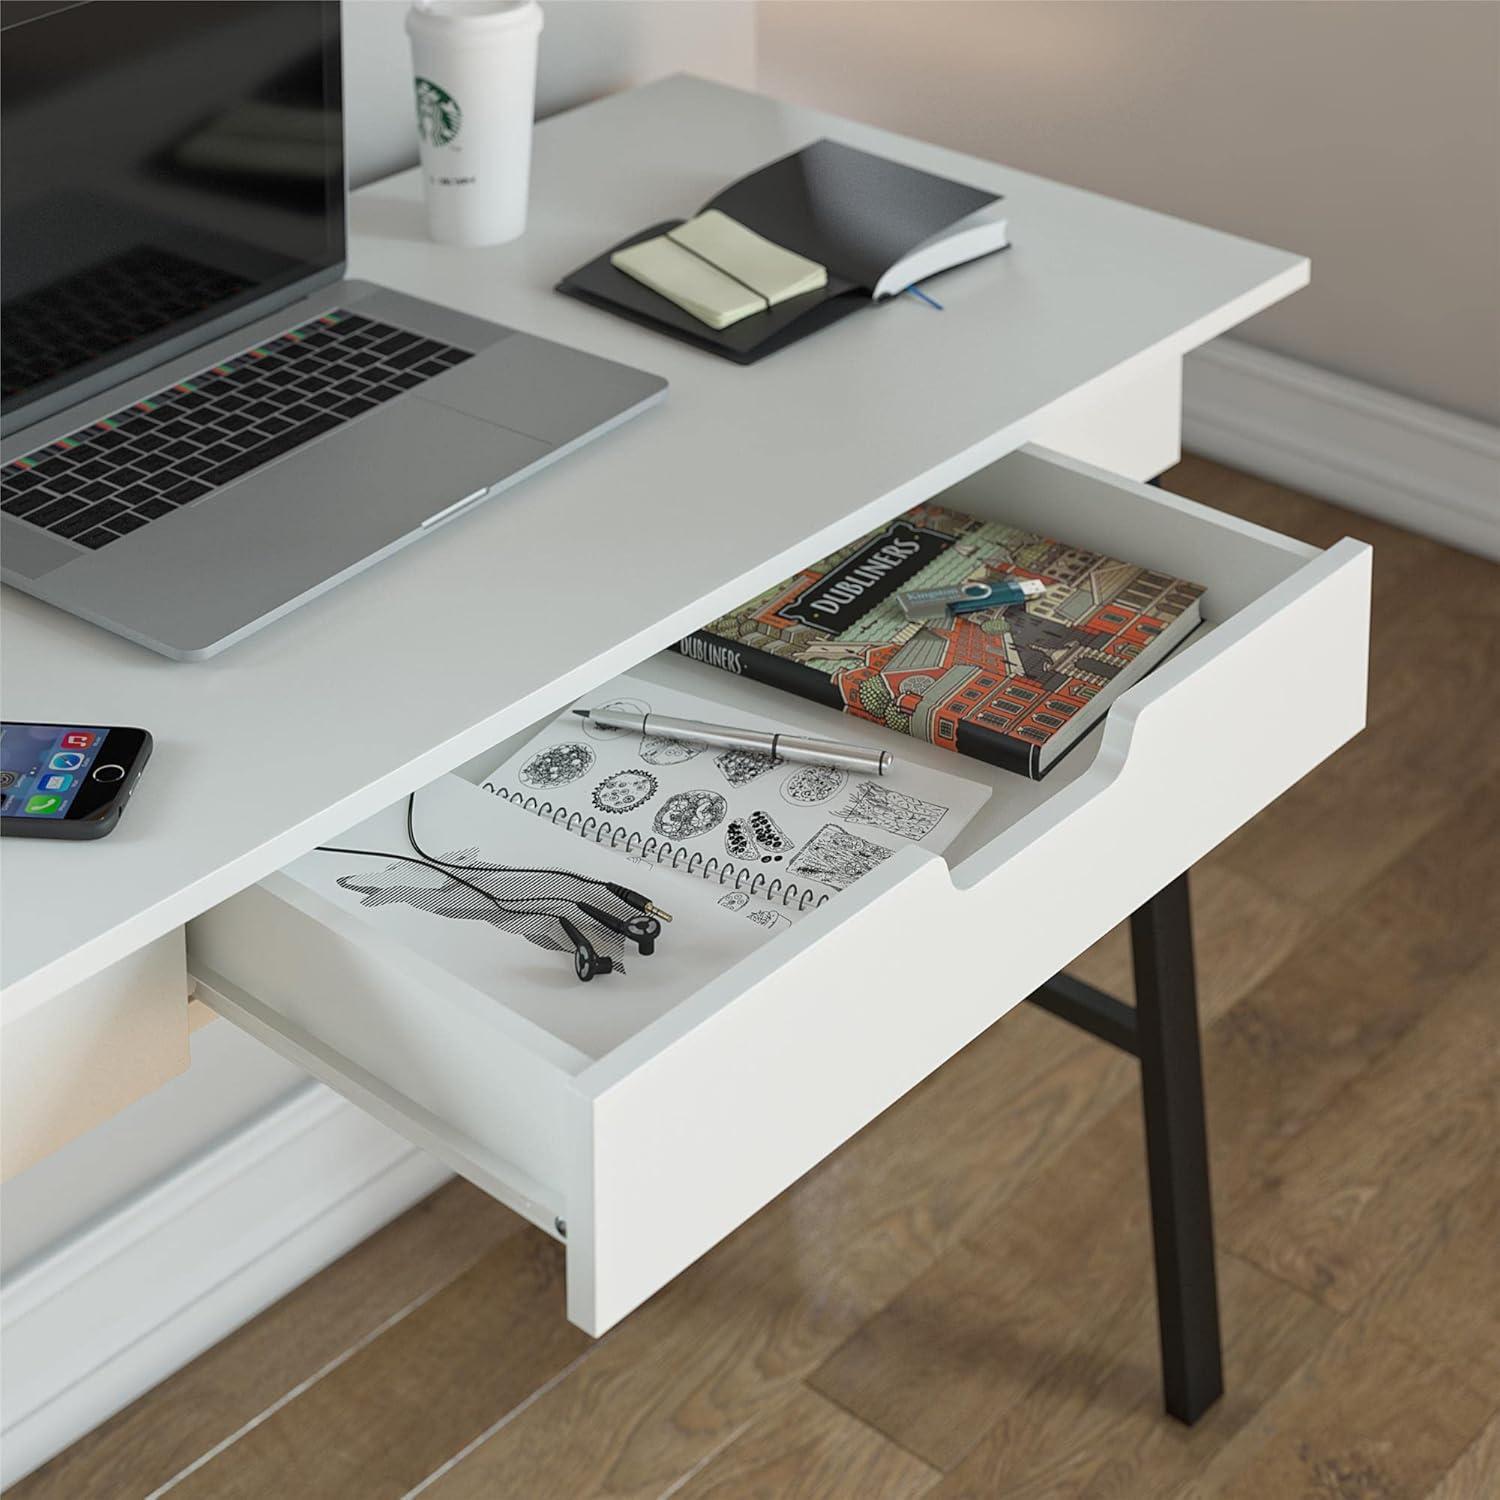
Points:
x=773, y=839
x=874, y=225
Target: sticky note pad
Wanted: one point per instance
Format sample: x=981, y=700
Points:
x=709, y=294
x=718, y=271
x=776, y=273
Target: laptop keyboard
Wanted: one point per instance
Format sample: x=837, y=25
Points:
x=149, y=459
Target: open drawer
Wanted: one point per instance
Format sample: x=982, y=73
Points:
x=643, y=1157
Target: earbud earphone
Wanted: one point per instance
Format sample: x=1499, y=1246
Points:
x=586, y=963
x=643, y=931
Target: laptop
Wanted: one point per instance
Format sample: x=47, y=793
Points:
x=204, y=424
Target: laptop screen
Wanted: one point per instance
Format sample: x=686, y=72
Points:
x=161, y=165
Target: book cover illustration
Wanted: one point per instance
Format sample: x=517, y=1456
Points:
x=998, y=684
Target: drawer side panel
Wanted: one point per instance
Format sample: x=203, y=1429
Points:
x=69, y=1064
x=342, y=1011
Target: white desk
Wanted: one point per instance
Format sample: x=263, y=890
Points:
x=680, y=514
x=1073, y=338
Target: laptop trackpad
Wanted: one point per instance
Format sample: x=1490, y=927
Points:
x=298, y=524
x=34, y=553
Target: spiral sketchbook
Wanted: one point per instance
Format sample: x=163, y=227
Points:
x=773, y=835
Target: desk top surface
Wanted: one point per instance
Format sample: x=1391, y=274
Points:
x=742, y=475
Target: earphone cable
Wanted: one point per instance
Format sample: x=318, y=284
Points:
x=411, y=838
x=621, y=892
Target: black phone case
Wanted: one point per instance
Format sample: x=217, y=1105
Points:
x=83, y=829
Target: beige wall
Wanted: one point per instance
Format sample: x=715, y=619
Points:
x=1366, y=135
x=589, y=48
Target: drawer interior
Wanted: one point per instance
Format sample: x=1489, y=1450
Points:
x=1239, y=564
x=1237, y=561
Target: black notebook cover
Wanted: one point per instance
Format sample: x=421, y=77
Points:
x=744, y=342
x=853, y=212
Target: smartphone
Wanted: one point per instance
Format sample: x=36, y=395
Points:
x=67, y=781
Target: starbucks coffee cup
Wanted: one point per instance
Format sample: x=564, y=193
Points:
x=475, y=67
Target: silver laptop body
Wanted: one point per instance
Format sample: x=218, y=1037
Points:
x=235, y=558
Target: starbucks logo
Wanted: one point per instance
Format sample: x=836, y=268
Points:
x=438, y=116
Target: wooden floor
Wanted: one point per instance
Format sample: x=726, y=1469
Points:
x=959, y=1302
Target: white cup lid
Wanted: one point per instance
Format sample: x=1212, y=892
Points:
x=476, y=18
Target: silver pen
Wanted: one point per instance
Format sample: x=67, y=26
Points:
x=789, y=747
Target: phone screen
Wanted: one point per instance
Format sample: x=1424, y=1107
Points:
x=43, y=766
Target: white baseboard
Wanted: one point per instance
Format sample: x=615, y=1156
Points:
x=1414, y=465
x=97, y=1322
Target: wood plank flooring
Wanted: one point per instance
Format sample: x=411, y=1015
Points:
x=959, y=1302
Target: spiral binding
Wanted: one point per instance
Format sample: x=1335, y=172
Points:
x=647, y=846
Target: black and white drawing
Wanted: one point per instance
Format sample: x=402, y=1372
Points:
x=623, y=791
x=438, y=893
x=596, y=731
x=809, y=785
x=758, y=838
x=772, y=921
x=734, y=900
x=741, y=767
x=657, y=750
x=737, y=842
x=557, y=765
x=686, y=815
x=837, y=857
x=896, y=812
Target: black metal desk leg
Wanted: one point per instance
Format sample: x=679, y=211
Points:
x=1177, y=1152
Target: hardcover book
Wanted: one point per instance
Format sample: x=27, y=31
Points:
x=1015, y=686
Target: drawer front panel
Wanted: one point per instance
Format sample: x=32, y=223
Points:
x=687, y=1143
x=700, y=1121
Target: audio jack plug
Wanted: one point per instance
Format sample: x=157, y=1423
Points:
x=638, y=901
